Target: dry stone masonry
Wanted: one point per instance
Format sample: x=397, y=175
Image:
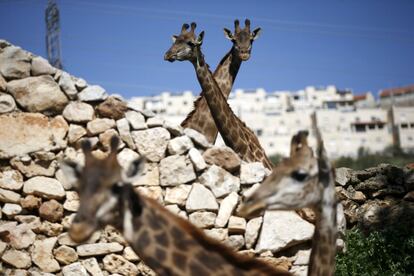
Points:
x=44, y=115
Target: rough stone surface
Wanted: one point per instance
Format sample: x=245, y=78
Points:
x=152, y=143
x=342, y=176
x=197, y=137
x=11, y=180
x=42, y=255
x=51, y=210
x=223, y=157
x=92, y=266
x=41, y=66
x=75, y=133
x=201, y=198
x=220, y=234
x=252, y=231
x=28, y=132
x=112, y=108
x=95, y=249
x=31, y=202
x=150, y=176
x=16, y=258
x=72, y=201
x=78, y=112
x=136, y=120
x=21, y=237
x=65, y=254
x=180, y=145
x=74, y=269
x=38, y=94
x=118, y=264
x=7, y=103
x=202, y=219
x=34, y=167
x=14, y=63
x=177, y=195
x=7, y=196
x=282, y=229
x=68, y=85
x=197, y=159
x=237, y=225
x=251, y=173
x=155, y=121
x=235, y=241
x=174, y=129
x=176, y=170
x=11, y=209
x=220, y=181
x=227, y=207
x=99, y=125
x=92, y=93
x=124, y=132
x=50, y=229
x=45, y=187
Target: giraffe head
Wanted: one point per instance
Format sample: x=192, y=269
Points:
x=185, y=44
x=293, y=184
x=242, y=38
x=99, y=184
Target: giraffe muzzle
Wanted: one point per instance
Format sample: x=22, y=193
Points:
x=170, y=57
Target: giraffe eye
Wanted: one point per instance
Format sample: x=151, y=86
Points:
x=299, y=175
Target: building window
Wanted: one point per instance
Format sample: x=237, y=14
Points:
x=371, y=127
x=410, y=138
x=412, y=125
x=259, y=132
x=360, y=128
x=380, y=126
x=185, y=102
x=169, y=103
x=404, y=125
x=271, y=145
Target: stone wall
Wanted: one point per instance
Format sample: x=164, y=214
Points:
x=44, y=115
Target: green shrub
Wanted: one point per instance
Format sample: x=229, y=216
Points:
x=386, y=252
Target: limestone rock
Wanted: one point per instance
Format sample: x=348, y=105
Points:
x=32, y=222
x=176, y=170
x=11, y=180
x=130, y=255
x=136, y=120
x=342, y=176
x=180, y=145
x=42, y=255
x=227, y=207
x=11, y=209
x=75, y=133
x=50, y=229
x=74, y=269
x=80, y=84
x=202, y=219
x=78, y=112
x=65, y=255
x=197, y=137
x=251, y=173
x=16, y=258
x=152, y=143
x=21, y=237
x=220, y=234
x=28, y=132
x=14, y=63
x=51, y=210
x=118, y=264
x=67, y=221
x=252, y=231
x=111, y=234
x=299, y=270
x=7, y=196
x=235, y=241
x=143, y=269
x=31, y=202
x=124, y=132
x=68, y=85
x=126, y=156
x=155, y=121
x=237, y=225
x=45, y=187
x=177, y=195
x=7, y=103
x=197, y=159
x=95, y=249
x=35, y=167
x=41, y=66
x=282, y=229
x=220, y=181
x=201, y=198
x=174, y=129
x=112, y=108
x=302, y=257
x=92, y=93
x=72, y=201
x=99, y=125
x=223, y=157
x=3, y=83
x=38, y=94
x=154, y=192
x=92, y=266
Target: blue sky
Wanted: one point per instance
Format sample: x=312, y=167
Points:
x=363, y=45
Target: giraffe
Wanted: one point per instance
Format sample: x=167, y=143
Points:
x=225, y=74
x=234, y=131
x=298, y=182
x=166, y=243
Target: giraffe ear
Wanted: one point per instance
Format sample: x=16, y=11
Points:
x=72, y=172
x=228, y=34
x=134, y=170
x=174, y=38
x=200, y=38
x=256, y=33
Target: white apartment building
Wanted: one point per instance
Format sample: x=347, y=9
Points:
x=400, y=96
x=403, y=121
x=347, y=122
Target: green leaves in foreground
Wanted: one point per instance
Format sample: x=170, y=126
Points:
x=386, y=252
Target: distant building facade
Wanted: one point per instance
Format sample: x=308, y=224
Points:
x=347, y=122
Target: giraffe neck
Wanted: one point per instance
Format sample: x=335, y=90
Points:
x=172, y=246
x=322, y=259
x=235, y=133
x=200, y=117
